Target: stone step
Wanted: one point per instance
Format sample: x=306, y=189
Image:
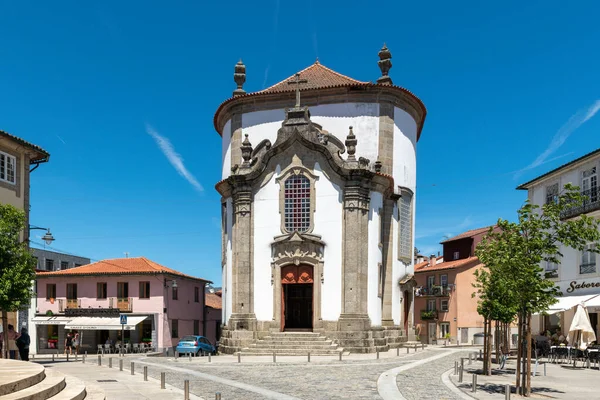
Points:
x=296, y=338
x=279, y=341
x=290, y=352
x=267, y=346
x=52, y=384
x=17, y=375
x=74, y=390
x=294, y=334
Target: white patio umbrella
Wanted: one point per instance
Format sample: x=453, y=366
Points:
x=581, y=328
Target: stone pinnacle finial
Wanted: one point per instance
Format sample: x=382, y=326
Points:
x=351, y=145
x=239, y=76
x=246, y=151
x=385, y=63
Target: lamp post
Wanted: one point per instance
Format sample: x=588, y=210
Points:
x=47, y=238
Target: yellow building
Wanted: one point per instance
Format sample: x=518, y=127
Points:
x=17, y=159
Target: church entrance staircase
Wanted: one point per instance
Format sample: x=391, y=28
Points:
x=292, y=344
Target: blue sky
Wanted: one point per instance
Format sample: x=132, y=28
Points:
x=507, y=86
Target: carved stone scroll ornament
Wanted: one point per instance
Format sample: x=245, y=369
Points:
x=296, y=249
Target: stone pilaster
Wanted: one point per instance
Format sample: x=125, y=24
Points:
x=386, y=137
x=387, y=258
x=354, y=316
x=236, y=139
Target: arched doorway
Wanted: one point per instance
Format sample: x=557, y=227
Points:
x=297, y=297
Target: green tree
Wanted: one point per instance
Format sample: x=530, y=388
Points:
x=513, y=255
x=17, y=265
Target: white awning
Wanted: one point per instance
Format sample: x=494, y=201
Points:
x=593, y=302
x=104, y=323
x=51, y=320
x=568, y=302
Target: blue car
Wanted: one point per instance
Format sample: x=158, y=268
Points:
x=197, y=345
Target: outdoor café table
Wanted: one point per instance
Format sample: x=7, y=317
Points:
x=593, y=355
x=561, y=352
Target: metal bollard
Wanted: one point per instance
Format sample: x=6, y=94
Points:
x=99, y=361
x=218, y=396
x=587, y=364
x=474, y=385
x=121, y=364
x=209, y=357
x=397, y=351
x=186, y=389
x=507, y=392
x=110, y=362
x=415, y=348
x=480, y=354
x=176, y=355
x=162, y=380
x=86, y=352
x=274, y=357
x=544, y=369
x=190, y=357
x=407, y=350
x=462, y=362
x=75, y=356
x=132, y=368
x=470, y=358
x=83, y=359
x=67, y=357
x=239, y=357
x=340, y=353
x=422, y=346
x=378, y=354
x=460, y=374
x=455, y=367
x=145, y=373
x=52, y=357
x=309, y=356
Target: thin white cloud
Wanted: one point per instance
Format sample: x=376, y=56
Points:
x=561, y=136
x=443, y=231
x=174, y=158
x=61, y=139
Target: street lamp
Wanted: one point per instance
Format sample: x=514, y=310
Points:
x=47, y=238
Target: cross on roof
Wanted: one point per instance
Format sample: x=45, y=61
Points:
x=297, y=82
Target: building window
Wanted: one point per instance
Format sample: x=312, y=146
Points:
x=456, y=255
x=552, y=193
x=297, y=204
x=101, y=289
x=430, y=281
x=175, y=293
x=144, y=290
x=405, y=248
x=588, y=260
x=551, y=269
x=196, y=327
x=71, y=291
x=50, y=291
x=444, y=329
x=49, y=265
x=174, y=328
x=381, y=280
x=196, y=294
x=444, y=280
x=64, y=265
x=8, y=168
x=444, y=305
x=431, y=305
x=122, y=290
x=589, y=184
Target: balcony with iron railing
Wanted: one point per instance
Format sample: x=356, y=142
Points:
x=435, y=290
x=124, y=304
x=429, y=314
x=590, y=203
x=588, y=268
x=68, y=303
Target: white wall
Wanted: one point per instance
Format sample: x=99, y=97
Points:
x=227, y=271
x=405, y=156
x=374, y=302
x=226, y=151
x=328, y=224
x=267, y=223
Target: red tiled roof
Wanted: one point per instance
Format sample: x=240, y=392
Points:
x=118, y=266
x=424, y=266
x=318, y=77
x=213, y=301
x=468, y=234
x=42, y=156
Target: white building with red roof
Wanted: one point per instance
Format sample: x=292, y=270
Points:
x=318, y=191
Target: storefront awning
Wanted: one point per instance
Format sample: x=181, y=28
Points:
x=103, y=323
x=51, y=320
x=568, y=302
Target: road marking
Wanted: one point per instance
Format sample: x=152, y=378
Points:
x=270, y=394
x=387, y=385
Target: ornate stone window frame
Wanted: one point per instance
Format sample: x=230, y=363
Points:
x=295, y=170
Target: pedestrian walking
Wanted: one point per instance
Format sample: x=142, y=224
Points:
x=23, y=343
x=69, y=344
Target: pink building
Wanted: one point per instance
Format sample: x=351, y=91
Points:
x=161, y=305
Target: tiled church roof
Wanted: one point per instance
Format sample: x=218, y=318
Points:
x=318, y=77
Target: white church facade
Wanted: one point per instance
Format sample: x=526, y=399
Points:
x=318, y=203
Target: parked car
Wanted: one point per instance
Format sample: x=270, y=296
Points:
x=197, y=345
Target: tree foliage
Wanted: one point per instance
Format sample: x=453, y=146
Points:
x=514, y=283
x=17, y=264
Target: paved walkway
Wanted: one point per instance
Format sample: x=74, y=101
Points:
x=115, y=384
x=562, y=381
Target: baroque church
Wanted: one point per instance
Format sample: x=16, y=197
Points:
x=318, y=205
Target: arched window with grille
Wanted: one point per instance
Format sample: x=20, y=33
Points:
x=297, y=204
